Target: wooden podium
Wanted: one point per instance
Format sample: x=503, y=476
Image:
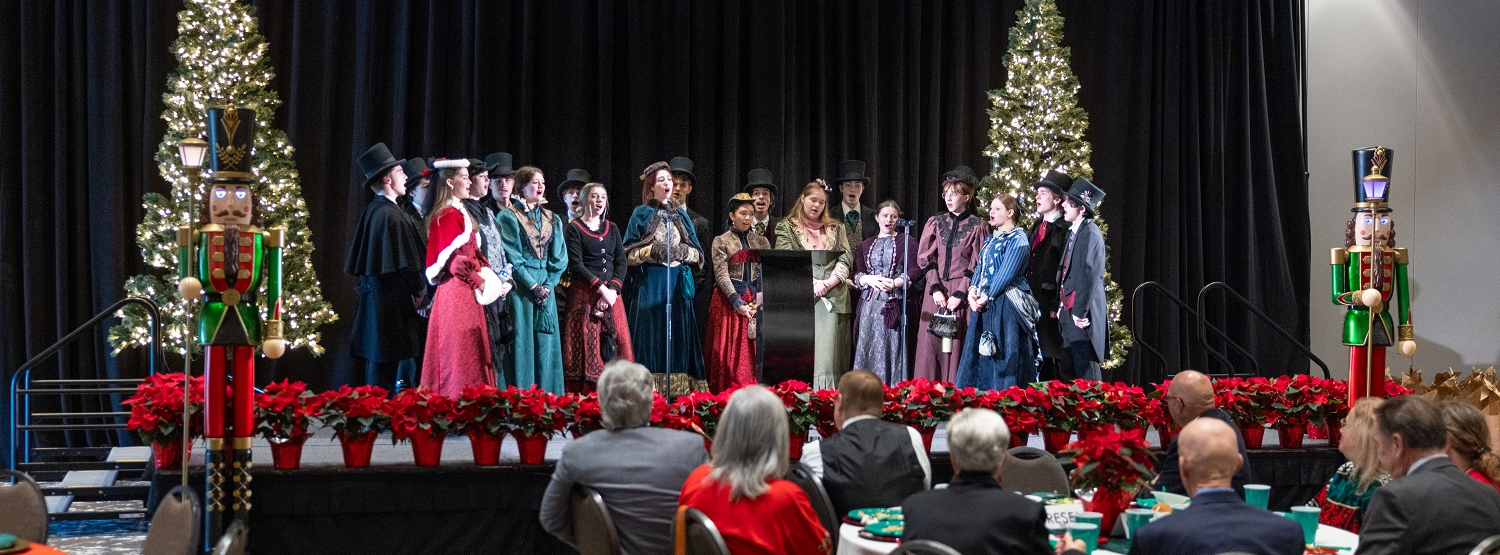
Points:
x=785, y=336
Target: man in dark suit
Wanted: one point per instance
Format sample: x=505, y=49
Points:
x=1049, y=236
x=637, y=469
x=1218, y=521
x=387, y=257
x=761, y=188
x=870, y=462
x=850, y=210
x=1189, y=397
x=973, y=514
x=1082, y=313
x=1431, y=507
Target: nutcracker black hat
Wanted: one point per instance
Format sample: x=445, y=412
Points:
x=500, y=164
x=851, y=170
x=1372, y=178
x=231, y=136
x=1087, y=195
x=576, y=180
x=962, y=174
x=375, y=162
x=1057, y=181
x=416, y=169
x=681, y=164
x=759, y=179
x=741, y=199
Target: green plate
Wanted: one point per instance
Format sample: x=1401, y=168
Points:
x=876, y=513
x=886, y=528
x=7, y=541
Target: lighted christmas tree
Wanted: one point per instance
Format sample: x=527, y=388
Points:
x=1036, y=125
x=222, y=61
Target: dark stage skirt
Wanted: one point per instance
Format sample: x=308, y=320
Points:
x=728, y=353
x=646, y=293
x=582, y=335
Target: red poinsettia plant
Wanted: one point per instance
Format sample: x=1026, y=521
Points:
x=353, y=411
x=921, y=403
x=1393, y=388
x=481, y=409
x=420, y=410
x=1123, y=405
x=1073, y=404
x=665, y=415
x=797, y=396
x=1111, y=460
x=701, y=410
x=585, y=414
x=282, y=411
x=1023, y=408
x=156, y=409
x=1249, y=401
x=821, y=403
x=535, y=411
x=1154, y=407
x=1300, y=399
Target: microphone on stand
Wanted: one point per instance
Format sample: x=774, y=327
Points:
x=906, y=224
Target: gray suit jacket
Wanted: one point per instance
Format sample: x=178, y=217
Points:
x=638, y=471
x=1436, y=510
x=1085, y=282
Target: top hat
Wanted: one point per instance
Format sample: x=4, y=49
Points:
x=1372, y=178
x=231, y=135
x=1086, y=194
x=576, y=180
x=476, y=167
x=681, y=164
x=500, y=164
x=759, y=179
x=851, y=170
x=1057, y=181
x=375, y=162
x=415, y=168
x=962, y=174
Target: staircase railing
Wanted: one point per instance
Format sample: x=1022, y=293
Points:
x=1230, y=293
x=1140, y=340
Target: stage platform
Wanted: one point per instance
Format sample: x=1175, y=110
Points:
x=395, y=507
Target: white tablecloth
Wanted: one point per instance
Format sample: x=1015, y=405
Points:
x=851, y=544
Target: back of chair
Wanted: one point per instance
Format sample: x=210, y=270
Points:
x=702, y=536
x=801, y=475
x=593, y=530
x=1490, y=546
x=176, y=525
x=23, y=508
x=924, y=547
x=1031, y=470
x=234, y=539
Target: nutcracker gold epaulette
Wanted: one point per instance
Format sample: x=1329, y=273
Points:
x=1400, y=255
x=1339, y=255
x=276, y=237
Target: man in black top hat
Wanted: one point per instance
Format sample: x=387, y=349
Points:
x=502, y=172
x=682, y=186
x=568, y=192
x=414, y=201
x=1083, y=315
x=850, y=210
x=1049, y=236
x=763, y=191
x=387, y=255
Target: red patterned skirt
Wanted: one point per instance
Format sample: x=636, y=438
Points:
x=728, y=351
x=581, y=338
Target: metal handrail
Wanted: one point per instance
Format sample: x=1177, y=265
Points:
x=1135, y=324
x=153, y=314
x=1230, y=292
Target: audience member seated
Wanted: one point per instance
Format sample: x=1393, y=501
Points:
x=973, y=514
x=870, y=462
x=741, y=491
x=1468, y=442
x=1430, y=506
x=1189, y=397
x=1344, y=500
x=638, y=470
x=1218, y=520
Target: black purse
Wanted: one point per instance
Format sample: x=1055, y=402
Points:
x=609, y=343
x=944, y=324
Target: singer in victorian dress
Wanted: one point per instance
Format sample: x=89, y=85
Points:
x=947, y=253
x=884, y=271
x=595, y=328
x=387, y=256
x=533, y=240
x=999, y=351
x=656, y=275
x=809, y=226
x=729, y=352
x=458, y=343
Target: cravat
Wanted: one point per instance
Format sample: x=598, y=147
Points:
x=1062, y=271
x=760, y=228
x=852, y=217
x=1041, y=235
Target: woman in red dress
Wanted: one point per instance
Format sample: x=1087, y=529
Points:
x=458, y=343
x=729, y=350
x=594, y=329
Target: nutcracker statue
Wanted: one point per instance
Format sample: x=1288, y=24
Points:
x=1369, y=273
x=225, y=260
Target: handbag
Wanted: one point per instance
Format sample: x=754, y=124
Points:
x=891, y=313
x=944, y=324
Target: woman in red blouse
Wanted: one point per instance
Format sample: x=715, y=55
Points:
x=741, y=491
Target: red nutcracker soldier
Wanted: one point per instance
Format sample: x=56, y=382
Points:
x=1369, y=271
x=233, y=256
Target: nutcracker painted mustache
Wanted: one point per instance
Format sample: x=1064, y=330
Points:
x=224, y=263
x=1370, y=271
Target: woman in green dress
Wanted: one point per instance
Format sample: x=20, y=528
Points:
x=809, y=227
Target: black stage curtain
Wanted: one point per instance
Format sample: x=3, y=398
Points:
x=1194, y=120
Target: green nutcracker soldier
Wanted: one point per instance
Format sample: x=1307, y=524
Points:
x=1369, y=272
x=226, y=262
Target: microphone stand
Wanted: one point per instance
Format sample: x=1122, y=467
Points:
x=667, y=217
x=905, y=285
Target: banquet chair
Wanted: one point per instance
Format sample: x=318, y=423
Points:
x=23, y=509
x=1032, y=470
x=175, y=527
x=802, y=475
x=701, y=535
x=593, y=530
x=234, y=539
x=1490, y=546
x=924, y=547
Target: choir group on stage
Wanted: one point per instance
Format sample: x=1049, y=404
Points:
x=510, y=292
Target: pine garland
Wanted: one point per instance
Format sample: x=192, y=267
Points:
x=1036, y=125
x=222, y=61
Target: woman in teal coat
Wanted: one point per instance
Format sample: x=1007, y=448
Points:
x=533, y=241
x=662, y=258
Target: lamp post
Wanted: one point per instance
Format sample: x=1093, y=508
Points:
x=190, y=152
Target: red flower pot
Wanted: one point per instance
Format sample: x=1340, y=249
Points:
x=1109, y=502
x=168, y=456
x=357, y=449
x=1255, y=435
x=486, y=448
x=1018, y=439
x=533, y=447
x=1335, y=433
x=1055, y=439
x=1093, y=430
x=1317, y=431
x=286, y=454
x=427, y=448
x=1290, y=435
x=926, y=434
x=798, y=439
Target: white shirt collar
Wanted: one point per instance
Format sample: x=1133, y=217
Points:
x=848, y=208
x=1053, y=216
x=1074, y=226
x=764, y=220
x=853, y=419
x=1424, y=460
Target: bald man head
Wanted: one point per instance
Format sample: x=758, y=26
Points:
x=1190, y=395
x=1208, y=454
